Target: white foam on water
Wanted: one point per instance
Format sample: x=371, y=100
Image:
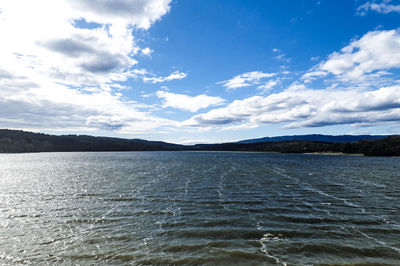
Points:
x=309, y=187
x=258, y=226
x=364, y=211
x=368, y=182
x=187, y=184
x=145, y=244
x=220, y=191
x=281, y=171
x=268, y=237
x=11, y=258
x=345, y=201
x=387, y=221
x=377, y=240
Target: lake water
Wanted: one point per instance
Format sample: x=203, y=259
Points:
x=195, y=208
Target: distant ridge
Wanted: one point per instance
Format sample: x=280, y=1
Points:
x=17, y=141
x=317, y=137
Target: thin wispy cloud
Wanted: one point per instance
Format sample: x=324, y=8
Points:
x=176, y=75
x=149, y=77
x=281, y=56
x=384, y=7
x=246, y=79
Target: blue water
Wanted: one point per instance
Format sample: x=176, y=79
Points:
x=198, y=208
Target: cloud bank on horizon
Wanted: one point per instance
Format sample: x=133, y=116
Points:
x=99, y=66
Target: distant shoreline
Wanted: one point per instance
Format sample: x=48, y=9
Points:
x=335, y=153
x=205, y=151
x=17, y=141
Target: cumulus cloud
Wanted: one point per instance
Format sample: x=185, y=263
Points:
x=384, y=8
x=299, y=106
x=45, y=34
x=60, y=74
x=246, y=79
x=57, y=73
x=141, y=13
x=368, y=57
x=365, y=60
x=70, y=109
x=5, y=74
x=186, y=102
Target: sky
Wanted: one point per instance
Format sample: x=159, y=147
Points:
x=200, y=71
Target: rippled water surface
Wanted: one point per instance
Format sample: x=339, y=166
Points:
x=216, y=208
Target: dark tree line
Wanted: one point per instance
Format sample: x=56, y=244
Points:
x=16, y=141
x=389, y=146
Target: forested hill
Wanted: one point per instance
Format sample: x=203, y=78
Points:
x=389, y=146
x=16, y=141
x=13, y=141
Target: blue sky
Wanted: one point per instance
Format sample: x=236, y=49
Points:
x=200, y=71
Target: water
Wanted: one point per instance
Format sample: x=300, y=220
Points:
x=191, y=208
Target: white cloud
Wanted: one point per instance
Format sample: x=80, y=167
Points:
x=186, y=102
x=384, y=7
x=280, y=55
x=350, y=97
x=344, y=101
x=44, y=35
x=149, y=77
x=175, y=75
x=311, y=75
x=61, y=107
x=315, y=74
x=56, y=73
x=140, y=13
x=269, y=85
x=62, y=75
x=299, y=106
x=246, y=79
x=368, y=57
x=146, y=51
